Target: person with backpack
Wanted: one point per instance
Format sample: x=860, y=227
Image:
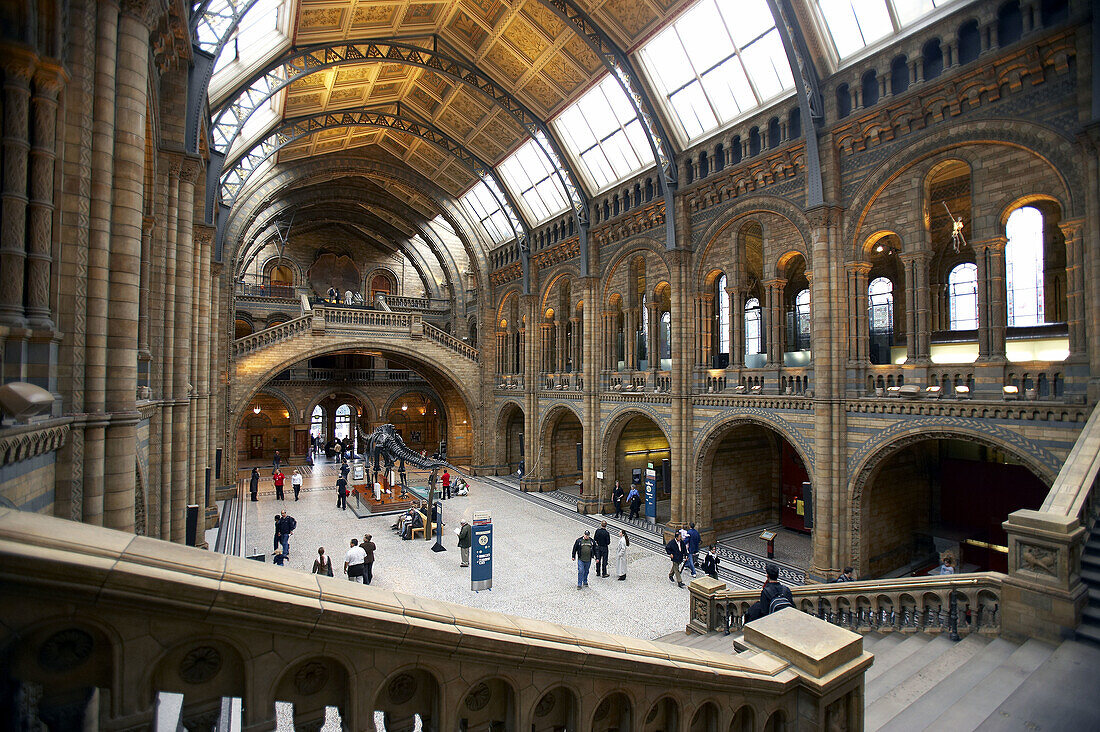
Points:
x=774, y=596
x=584, y=549
x=322, y=564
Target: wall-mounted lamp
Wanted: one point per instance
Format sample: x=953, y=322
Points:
x=404, y=407
x=1010, y=392
x=962, y=392
x=255, y=410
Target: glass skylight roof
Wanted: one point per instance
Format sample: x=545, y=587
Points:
x=720, y=60
x=249, y=32
x=534, y=182
x=486, y=208
x=855, y=24
x=604, y=135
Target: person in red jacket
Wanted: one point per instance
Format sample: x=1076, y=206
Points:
x=446, y=479
x=278, y=479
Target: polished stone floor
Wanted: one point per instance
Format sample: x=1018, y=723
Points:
x=533, y=574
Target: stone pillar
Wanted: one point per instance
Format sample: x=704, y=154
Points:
x=909, y=266
x=992, y=299
x=1075, y=290
x=99, y=258
x=131, y=105
x=588, y=346
x=858, y=314
x=652, y=342
x=577, y=354
x=737, y=327
x=47, y=86
x=204, y=241
x=181, y=413
x=774, y=321
x=917, y=310
x=18, y=67
x=532, y=355
x=172, y=163
x=707, y=329
x=630, y=339
x=561, y=344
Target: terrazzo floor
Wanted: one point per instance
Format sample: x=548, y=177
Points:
x=533, y=573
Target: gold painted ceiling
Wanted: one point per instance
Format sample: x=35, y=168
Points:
x=522, y=45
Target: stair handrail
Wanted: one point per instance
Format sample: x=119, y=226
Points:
x=274, y=334
x=1073, y=488
x=449, y=341
x=873, y=614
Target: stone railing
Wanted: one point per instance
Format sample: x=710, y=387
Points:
x=414, y=304
x=362, y=318
x=447, y=340
x=373, y=375
x=102, y=628
x=274, y=334
x=966, y=603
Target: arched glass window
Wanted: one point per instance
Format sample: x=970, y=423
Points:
x=752, y=326
x=343, y=422
x=317, y=422
x=802, y=320
x=1024, y=263
x=880, y=314
x=962, y=297
x=665, y=336
x=722, y=322
x=643, y=333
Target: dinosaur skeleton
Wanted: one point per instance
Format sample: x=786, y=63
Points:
x=385, y=448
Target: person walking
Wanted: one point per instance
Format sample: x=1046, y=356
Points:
x=254, y=483
x=368, y=548
x=620, y=554
x=464, y=543
x=689, y=557
x=676, y=551
x=296, y=482
x=322, y=564
x=309, y=457
x=846, y=575
x=342, y=493
x=635, y=501
x=445, y=479
x=286, y=525
x=693, y=542
x=278, y=518
x=278, y=479
x=711, y=562
x=584, y=549
x=774, y=596
x=603, y=549
x=276, y=462
x=617, y=498
x=353, y=562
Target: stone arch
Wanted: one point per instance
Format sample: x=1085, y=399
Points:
x=616, y=420
x=312, y=683
x=1021, y=202
x=408, y=690
x=553, y=709
x=203, y=669
x=638, y=246
x=729, y=220
x=1059, y=153
x=548, y=424
x=269, y=264
x=864, y=464
x=346, y=389
x=570, y=273
x=503, y=454
x=864, y=250
x=612, y=705
x=784, y=260
x=483, y=699
x=425, y=391
x=669, y=705
x=387, y=274
x=282, y=396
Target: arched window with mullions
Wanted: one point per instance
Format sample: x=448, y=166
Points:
x=343, y=422
x=962, y=297
x=1024, y=266
x=802, y=320
x=317, y=422
x=753, y=343
x=721, y=323
x=880, y=315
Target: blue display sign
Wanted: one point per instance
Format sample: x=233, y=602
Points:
x=651, y=494
x=481, y=564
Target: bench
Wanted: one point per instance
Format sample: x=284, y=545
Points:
x=420, y=531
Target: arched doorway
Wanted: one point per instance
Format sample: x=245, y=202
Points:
x=510, y=435
x=419, y=420
x=633, y=448
x=613, y=714
x=560, y=457
x=754, y=477
x=264, y=428
x=556, y=710
x=937, y=495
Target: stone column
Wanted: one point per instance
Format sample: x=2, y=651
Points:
x=532, y=356
x=909, y=266
x=172, y=163
x=182, y=387
x=18, y=66
x=653, y=341
x=707, y=330
x=1075, y=290
x=576, y=354
x=858, y=313
x=923, y=319
x=774, y=319
x=204, y=240
x=588, y=347
x=630, y=339
x=48, y=81
x=561, y=344
x=992, y=298
x=737, y=327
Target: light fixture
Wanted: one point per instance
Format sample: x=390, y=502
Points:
x=286, y=414
x=962, y=392
x=893, y=391
x=1010, y=392
x=255, y=410
x=933, y=392
x=404, y=407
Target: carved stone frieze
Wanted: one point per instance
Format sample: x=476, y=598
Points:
x=25, y=442
x=564, y=251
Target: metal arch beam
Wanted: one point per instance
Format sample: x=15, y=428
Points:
x=302, y=62
x=617, y=63
x=297, y=128
x=810, y=103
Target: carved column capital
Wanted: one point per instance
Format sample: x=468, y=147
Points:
x=49, y=80
x=146, y=12
x=18, y=63
x=190, y=169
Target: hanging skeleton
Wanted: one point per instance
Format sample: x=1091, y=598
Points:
x=958, y=241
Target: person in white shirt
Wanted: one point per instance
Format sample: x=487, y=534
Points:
x=296, y=483
x=353, y=562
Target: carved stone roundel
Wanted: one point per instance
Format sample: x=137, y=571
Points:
x=200, y=665
x=311, y=678
x=479, y=697
x=545, y=705
x=402, y=689
x=602, y=710
x=652, y=714
x=65, y=650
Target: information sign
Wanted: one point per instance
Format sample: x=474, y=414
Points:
x=651, y=494
x=481, y=564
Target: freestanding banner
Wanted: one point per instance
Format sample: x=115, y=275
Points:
x=651, y=494
x=481, y=564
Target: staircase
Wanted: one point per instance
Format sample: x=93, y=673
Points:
x=926, y=681
x=1089, y=629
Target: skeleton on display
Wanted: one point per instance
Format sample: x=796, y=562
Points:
x=385, y=449
x=958, y=241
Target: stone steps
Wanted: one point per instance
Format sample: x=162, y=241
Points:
x=927, y=681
